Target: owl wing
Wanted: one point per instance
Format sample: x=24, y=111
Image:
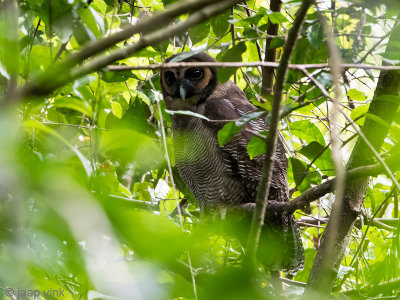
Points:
x=229, y=102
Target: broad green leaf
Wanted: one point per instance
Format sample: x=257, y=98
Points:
x=248, y=117
x=120, y=76
x=185, y=55
x=302, y=179
x=316, y=35
x=232, y=54
x=391, y=58
x=94, y=23
x=324, y=161
x=389, y=98
x=276, y=42
x=256, y=146
x=305, y=53
x=38, y=126
x=200, y=32
x=308, y=131
x=358, y=112
x=356, y=95
x=325, y=78
x=126, y=145
x=116, y=109
x=64, y=26
x=150, y=236
x=147, y=52
x=75, y=104
x=277, y=18
x=378, y=120
x=227, y=132
x=220, y=24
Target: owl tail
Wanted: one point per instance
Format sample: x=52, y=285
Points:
x=280, y=245
x=294, y=251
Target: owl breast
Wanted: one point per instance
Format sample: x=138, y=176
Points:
x=203, y=167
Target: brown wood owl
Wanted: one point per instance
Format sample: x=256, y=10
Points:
x=225, y=176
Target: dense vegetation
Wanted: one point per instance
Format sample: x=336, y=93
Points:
x=89, y=194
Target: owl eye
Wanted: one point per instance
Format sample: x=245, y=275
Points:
x=195, y=73
x=170, y=78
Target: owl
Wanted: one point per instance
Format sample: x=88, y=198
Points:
x=224, y=177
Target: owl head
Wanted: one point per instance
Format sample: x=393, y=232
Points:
x=184, y=88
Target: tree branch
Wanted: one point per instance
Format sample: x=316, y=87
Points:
x=59, y=76
x=270, y=53
x=318, y=191
x=144, y=26
x=372, y=290
x=268, y=64
x=264, y=183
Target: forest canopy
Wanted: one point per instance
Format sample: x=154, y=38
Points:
x=91, y=203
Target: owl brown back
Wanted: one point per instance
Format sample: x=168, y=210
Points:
x=225, y=176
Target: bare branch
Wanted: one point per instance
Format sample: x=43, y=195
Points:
x=253, y=64
x=318, y=191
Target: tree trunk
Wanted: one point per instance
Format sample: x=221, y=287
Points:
x=327, y=262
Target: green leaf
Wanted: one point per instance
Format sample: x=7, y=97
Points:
x=358, y=112
x=315, y=35
x=74, y=104
x=324, y=161
x=220, y=24
x=277, y=18
x=378, y=120
x=305, y=53
x=299, y=170
x=116, y=109
x=126, y=145
x=356, y=95
x=38, y=126
x=64, y=26
x=276, y=42
x=308, y=131
x=248, y=117
x=256, y=146
x=389, y=98
x=93, y=21
x=200, y=32
x=120, y=76
x=227, y=132
x=232, y=54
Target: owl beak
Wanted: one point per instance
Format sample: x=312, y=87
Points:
x=182, y=92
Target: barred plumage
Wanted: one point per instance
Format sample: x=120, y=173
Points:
x=225, y=177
